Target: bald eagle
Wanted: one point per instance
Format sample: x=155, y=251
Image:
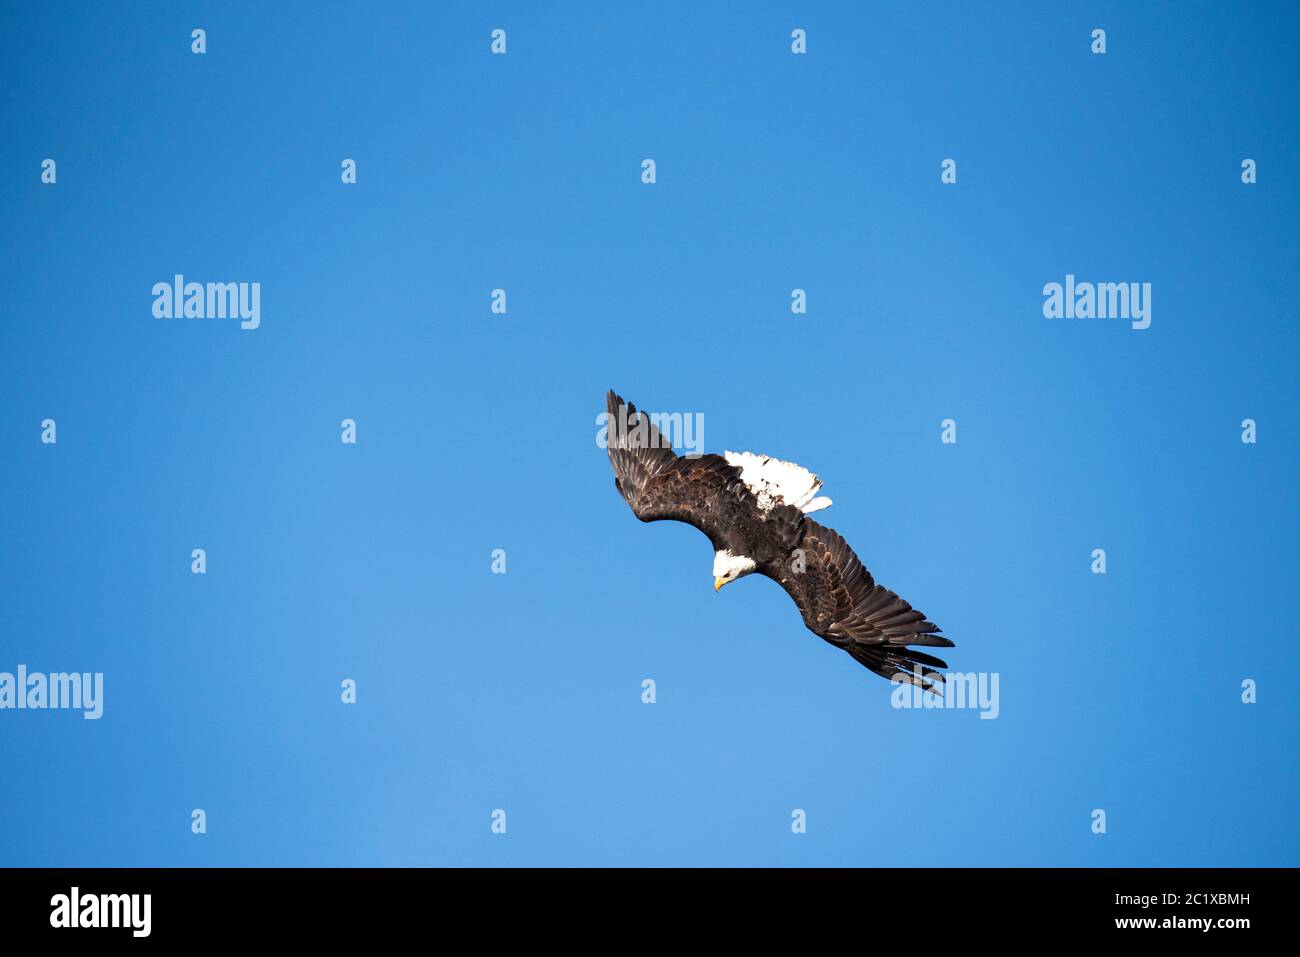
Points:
x=754, y=509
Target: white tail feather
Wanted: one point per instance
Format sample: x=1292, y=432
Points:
x=770, y=479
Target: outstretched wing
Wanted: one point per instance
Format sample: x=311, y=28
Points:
x=660, y=485
x=841, y=602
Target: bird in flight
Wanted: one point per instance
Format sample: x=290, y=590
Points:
x=754, y=509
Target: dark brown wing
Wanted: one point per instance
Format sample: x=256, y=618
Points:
x=841, y=602
x=660, y=485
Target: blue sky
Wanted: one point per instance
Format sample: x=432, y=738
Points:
x=477, y=431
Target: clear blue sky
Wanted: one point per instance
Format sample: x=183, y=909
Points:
x=477, y=431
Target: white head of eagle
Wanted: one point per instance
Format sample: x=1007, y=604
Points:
x=728, y=567
x=754, y=509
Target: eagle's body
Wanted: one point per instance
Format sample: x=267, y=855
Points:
x=754, y=509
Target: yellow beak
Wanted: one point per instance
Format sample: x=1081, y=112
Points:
x=718, y=583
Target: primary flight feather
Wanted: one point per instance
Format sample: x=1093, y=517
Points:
x=754, y=509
